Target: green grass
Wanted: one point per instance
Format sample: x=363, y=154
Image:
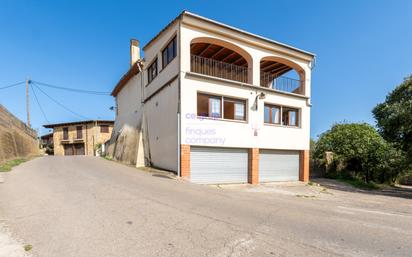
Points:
x=5, y=167
x=28, y=247
x=106, y=157
x=359, y=183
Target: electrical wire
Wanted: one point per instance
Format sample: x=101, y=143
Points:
x=60, y=104
x=72, y=89
x=12, y=85
x=38, y=103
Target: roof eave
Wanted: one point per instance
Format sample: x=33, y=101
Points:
x=76, y=122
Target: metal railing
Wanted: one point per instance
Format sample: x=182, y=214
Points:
x=218, y=69
x=281, y=83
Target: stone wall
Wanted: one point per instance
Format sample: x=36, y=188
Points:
x=17, y=140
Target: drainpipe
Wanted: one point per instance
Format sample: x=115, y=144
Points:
x=178, y=102
x=95, y=138
x=87, y=140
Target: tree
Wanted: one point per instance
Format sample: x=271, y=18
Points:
x=394, y=117
x=358, y=148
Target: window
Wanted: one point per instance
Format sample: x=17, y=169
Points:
x=65, y=133
x=272, y=114
x=275, y=114
x=79, y=131
x=104, y=128
x=211, y=106
x=169, y=53
x=234, y=109
x=152, y=71
x=290, y=117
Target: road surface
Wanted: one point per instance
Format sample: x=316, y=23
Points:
x=87, y=206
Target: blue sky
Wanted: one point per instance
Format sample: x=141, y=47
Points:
x=363, y=49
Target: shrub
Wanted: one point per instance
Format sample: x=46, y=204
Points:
x=359, y=152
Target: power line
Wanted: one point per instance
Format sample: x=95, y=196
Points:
x=72, y=89
x=38, y=103
x=57, y=102
x=12, y=85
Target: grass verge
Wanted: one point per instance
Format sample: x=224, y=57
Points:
x=7, y=166
x=28, y=247
x=359, y=184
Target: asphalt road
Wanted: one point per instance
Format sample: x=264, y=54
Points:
x=85, y=206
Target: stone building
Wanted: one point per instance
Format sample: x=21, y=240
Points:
x=80, y=138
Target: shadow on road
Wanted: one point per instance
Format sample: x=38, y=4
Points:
x=402, y=192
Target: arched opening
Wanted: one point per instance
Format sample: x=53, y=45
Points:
x=218, y=58
x=282, y=74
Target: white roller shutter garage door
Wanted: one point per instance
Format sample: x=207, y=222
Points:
x=213, y=165
x=277, y=165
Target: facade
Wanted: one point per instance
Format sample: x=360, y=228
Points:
x=215, y=105
x=46, y=143
x=80, y=138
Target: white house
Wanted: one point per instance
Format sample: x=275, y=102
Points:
x=215, y=104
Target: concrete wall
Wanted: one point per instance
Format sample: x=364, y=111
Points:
x=91, y=137
x=161, y=112
x=16, y=139
x=161, y=104
x=124, y=143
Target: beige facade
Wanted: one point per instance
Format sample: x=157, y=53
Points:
x=81, y=138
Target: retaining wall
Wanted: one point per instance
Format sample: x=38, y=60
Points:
x=17, y=140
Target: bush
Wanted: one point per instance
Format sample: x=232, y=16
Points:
x=394, y=117
x=359, y=152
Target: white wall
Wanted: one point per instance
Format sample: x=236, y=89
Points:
x=162, y=105
x=240, y=134
x=124, y=142
x=154, y=50
x=161, y=113
x=129, y=105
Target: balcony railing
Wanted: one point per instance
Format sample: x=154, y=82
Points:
x=281, y=83
x=218, y=69
x=71, y=139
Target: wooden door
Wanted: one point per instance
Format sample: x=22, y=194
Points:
x=68, y=149
x=79, y=149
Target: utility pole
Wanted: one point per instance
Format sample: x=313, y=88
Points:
x=28, y=102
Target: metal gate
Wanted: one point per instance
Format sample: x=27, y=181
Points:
x=277, y=165
x=218, y=165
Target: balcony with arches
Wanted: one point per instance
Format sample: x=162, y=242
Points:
x=221, y=59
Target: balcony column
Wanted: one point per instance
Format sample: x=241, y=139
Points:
x=255, y=70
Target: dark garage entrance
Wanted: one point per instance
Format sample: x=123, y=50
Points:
x=74, y=149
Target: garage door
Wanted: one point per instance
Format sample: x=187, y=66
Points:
x=218, y=165
x=68, y=149
x=275, y=165
x=79, y=149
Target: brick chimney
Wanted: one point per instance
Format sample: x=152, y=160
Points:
x=134, y=51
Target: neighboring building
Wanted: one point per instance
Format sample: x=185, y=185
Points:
x=212, y=103
x=80, y=138
x=46, y=143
